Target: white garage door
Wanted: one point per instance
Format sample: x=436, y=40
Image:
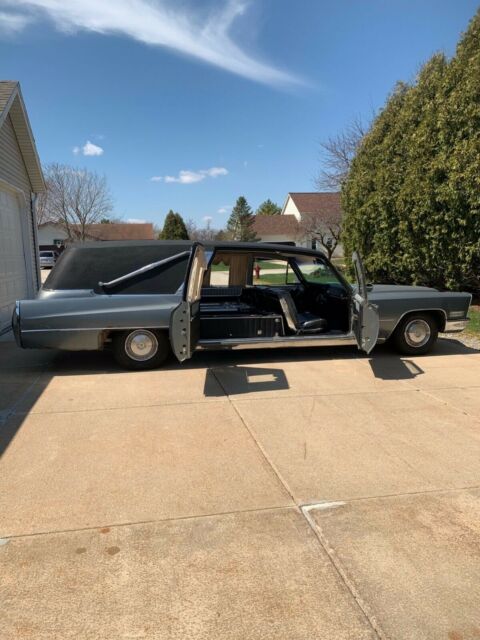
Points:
x=13, y=272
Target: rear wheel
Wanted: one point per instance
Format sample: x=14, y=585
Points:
x=140, y=348
x=416, y=334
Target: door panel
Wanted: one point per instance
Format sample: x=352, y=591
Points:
x=366, y=323
x=185, y=319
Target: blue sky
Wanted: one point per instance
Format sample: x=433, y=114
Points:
x=211, y=98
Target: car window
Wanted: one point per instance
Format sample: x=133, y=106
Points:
x=267, y=271
x=219, y=273
x=46, y=254
x=317, y=271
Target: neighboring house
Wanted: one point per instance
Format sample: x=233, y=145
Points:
x=20, y=180
x=51, y=234
x=302, y=215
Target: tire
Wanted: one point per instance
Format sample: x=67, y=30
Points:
x=140, y=349
x=416, y=334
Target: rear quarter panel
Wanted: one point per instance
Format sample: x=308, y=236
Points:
x=78, y=323
x=394, y=305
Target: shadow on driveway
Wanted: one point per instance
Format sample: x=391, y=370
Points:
x=25, y=374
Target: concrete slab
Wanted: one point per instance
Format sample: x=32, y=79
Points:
x=319, y=378
x=466, y=400
x=93, y=468
x=111, y=390
x=413, y=559
x=451, y=376
x=236, y=577
x=367, y=445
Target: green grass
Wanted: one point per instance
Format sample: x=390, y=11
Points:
x=473, y=326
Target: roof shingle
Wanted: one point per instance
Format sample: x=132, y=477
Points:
x=318, y=203
x=275, y=225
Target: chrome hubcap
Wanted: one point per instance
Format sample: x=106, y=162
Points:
x=141, y=345
x=417, y=333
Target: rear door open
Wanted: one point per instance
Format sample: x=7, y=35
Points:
x=366, y=322
x=185, y=319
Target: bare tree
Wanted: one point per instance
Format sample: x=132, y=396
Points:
x=325, y=228
x=337, y=153
x=75, y=199
x=205, y=234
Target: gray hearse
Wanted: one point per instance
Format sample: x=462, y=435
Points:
x=144, y=300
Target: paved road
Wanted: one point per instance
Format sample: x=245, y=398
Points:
x=291, y=494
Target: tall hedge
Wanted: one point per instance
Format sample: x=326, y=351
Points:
x=412, y=196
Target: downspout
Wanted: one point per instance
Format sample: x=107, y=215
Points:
x=33, y=204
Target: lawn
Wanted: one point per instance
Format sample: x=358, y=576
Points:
x=474, y=324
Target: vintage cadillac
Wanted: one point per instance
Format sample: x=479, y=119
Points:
x=145, y=300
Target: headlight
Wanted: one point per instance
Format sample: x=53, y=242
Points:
x=456, y=314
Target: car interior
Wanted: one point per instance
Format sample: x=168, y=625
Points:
x=247, y=295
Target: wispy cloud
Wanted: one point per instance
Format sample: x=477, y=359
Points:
x=190, y=177
x=184, y=29
x=11, y=23
x=226, y=209
x=135, y=221
x=88, y=149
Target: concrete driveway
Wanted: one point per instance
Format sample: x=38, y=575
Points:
x=266, y=495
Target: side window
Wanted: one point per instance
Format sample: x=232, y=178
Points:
x=317, y=272
x=219, y=274
x=271, y=272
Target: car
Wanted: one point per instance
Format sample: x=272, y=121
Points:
x=48, y=259
x=148, y=299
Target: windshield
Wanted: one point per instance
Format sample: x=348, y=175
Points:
x=315, y=271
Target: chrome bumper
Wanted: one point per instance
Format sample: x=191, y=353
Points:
x=455, y=326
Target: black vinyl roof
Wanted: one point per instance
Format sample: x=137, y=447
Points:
x=84, y=265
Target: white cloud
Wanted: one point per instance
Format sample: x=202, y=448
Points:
x=226, y=209
x=207, y=219
x=88, y=149
x=190, y=177
x=135, y=221
x=11, y=23
x=187, y=30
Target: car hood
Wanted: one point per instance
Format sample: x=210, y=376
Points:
x=397, y=288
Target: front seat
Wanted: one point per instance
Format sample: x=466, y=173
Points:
x=300, y=322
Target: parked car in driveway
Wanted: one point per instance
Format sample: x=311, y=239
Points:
x=48, y=259
x=147, y=299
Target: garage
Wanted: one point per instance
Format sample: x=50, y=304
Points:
x=20, y=180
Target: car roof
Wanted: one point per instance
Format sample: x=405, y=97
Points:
x=186, y=244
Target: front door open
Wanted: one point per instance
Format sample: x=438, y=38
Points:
x=185, y=319
x=366, y=323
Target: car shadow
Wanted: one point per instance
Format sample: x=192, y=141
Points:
x=236, y=380
x=25, y=374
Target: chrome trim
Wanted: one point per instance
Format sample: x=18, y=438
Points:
x=274, y=343
x=147, y=267
x=455, y=326
x=129, y=328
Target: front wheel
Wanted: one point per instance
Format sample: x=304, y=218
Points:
x=140, y=349
x=416, y=334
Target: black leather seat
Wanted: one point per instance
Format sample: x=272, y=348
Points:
x=305, y=322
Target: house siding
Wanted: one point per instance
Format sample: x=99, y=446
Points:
x=14, y=172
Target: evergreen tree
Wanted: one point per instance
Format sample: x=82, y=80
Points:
x=173, y=228
x=241, y=220
x=268, y=208
x=412, y=197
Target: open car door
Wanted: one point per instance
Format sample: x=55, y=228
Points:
x=185, y=319
x=366, y=323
